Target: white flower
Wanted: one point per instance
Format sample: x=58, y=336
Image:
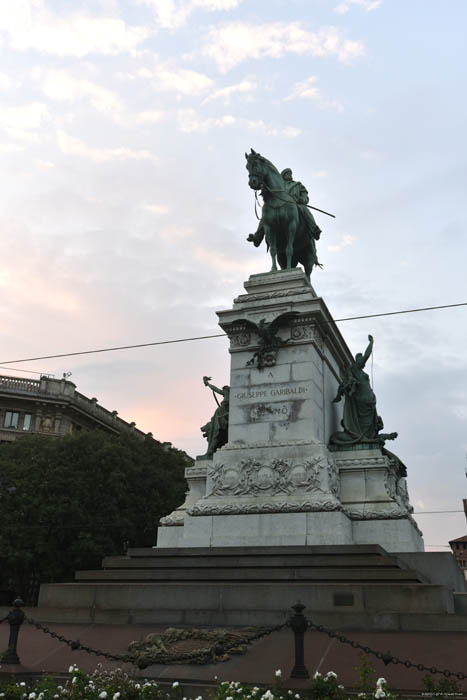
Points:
x=22, y=684
x=229, y=697
x=267, y=695
x=31, y=696
x=116, y=696
x=278, y=673
x=381, y=681
x=331, y=674
x=103, y=694
x=175, y=684
x=297, y=696
x=341, y=687
x=317, y=675
x=380, y=693
x=137, y=686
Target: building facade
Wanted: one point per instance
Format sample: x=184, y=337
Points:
x=50, y=406
x=459, y=549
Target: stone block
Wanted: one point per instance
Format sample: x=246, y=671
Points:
x=169, y=536
x=197, y=531
x=259, y=529
x=395, y=535
x=332, y=528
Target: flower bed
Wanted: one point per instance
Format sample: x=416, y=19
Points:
x=118, y=685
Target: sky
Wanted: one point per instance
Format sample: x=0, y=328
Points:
x=125, y=206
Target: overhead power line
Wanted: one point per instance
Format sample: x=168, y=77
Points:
x=217, y=335
x=27, y=371
x=430, y=512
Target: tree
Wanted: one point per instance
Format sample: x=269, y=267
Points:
x=66, y=503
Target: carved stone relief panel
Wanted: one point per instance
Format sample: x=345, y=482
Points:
x=251, y=477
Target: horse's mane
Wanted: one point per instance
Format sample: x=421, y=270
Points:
x=268, y=162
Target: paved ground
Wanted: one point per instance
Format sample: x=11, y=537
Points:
x=40, y=652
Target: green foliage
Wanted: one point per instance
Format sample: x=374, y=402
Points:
x=66, y=503
x=442, y=688
x=366, y=675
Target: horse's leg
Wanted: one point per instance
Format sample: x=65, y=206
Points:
x=308, y=264
x=282, y=259
x=271, y=239
x=292, y=230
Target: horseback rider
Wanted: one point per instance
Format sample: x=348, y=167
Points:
x=300, y=194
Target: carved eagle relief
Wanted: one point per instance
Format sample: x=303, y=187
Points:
x=268, y=340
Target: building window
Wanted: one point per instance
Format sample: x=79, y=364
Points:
x=27, y=421
x=11, y=419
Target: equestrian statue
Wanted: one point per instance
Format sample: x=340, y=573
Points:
x=286, y=222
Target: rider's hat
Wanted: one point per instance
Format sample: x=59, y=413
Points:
x=287, y=170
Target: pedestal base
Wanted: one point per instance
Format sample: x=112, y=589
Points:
x=267, y=530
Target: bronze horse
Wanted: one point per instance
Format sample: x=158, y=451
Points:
x=288, y=236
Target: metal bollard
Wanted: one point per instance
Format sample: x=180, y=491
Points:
x=299, y=624
x=15, y=619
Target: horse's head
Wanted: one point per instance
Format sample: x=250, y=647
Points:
x=255, y=164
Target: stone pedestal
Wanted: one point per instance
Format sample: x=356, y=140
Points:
x=276, y=482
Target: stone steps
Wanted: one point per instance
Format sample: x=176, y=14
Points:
x=288, y=550
x=259, y=562
x=352, y=587
x=339, y=574
x=239, y=603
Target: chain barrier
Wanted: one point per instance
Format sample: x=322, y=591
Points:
x=298, y=623
x=386, y=658
x=75, y=644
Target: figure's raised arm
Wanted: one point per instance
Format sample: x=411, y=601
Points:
x=369, y=349
x=211, y=386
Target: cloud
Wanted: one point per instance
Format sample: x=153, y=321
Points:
x=289, y=132
x=166, y=79
x=44, y=164
x=367, y=5
x=61, y=86
x=23, y=122
x=156, y=208
x=69, y=145
x=183, y=81
x=171, y=14
x=149, y=116
x=307, y=90
x=28, y=24
x=26, y=117
x=226, y=93
x=5, y=81
x=231, y=44
x=189, y=122
x=10, y=148
x=345, y=241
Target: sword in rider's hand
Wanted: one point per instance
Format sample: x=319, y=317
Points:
x=321, y=210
